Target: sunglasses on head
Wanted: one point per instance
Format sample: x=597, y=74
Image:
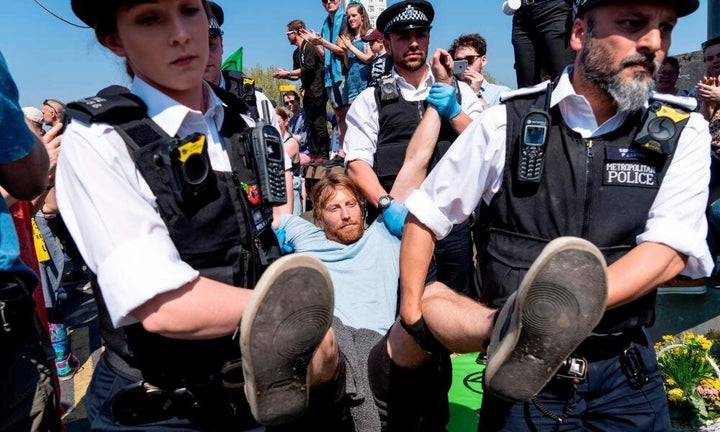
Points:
x=47, y=104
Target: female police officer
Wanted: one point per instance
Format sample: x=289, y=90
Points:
x=162, y=195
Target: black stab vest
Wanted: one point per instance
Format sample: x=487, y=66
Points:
x=229, y=240
x=397, y=120
x=579, y=195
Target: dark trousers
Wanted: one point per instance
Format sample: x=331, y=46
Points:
x=325, y=412
x=410, y=400
x=606, y=401
x=316, y=114
x=540, y=35
x=28, y=401
x=453, y=259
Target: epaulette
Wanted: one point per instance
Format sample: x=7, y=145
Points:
x=684, y=102
x=525, y=91
x=113, y=109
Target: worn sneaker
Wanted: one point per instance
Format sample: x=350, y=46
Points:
x=560, y=300
x=288, y=315
x=67, y=367
x=683, y=285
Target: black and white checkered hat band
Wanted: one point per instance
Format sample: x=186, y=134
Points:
x=214, y=23
x=409, y=14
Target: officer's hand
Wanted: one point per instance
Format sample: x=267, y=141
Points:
x=284, y=247
x=394, y=218
x=443, y=98
x=441, y=65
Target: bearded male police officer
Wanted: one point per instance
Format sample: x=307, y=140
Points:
x=591, y=159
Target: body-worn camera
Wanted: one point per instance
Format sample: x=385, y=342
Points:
x=661, y=127
x=191, y=176
x=388, y=89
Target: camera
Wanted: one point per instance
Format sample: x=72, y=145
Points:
x=191, y=176
x=459, y=67
x=388, y=89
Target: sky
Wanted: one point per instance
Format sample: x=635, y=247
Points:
x=49, y=58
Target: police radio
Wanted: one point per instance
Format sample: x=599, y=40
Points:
x=270, y=161
x=533, y=142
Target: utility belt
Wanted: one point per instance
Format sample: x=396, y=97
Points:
x=212, y=404
x=17, y=307
x=603, y=347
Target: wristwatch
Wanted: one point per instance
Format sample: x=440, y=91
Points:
x=384, y=202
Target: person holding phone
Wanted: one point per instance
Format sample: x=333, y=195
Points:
x=471, y=49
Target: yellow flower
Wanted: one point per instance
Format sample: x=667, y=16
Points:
x=667, y=338
x=671, y=382
x=689, y=337
x=675, y=395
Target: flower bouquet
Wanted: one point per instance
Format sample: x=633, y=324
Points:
x=691, y=378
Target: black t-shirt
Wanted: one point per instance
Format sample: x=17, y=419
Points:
x=308, y=59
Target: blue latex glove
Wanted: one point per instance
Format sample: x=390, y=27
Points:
x=394, y=217
x=284, y=247
x=443, y=98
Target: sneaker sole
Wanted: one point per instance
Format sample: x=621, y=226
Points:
x=560, y=300
x=287, y=317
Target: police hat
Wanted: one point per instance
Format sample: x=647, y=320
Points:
x=91, y=11
x=216, y=12
x=406, y=15
x=683, y=7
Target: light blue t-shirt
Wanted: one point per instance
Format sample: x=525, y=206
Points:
x=365, y=274
x=17, y=142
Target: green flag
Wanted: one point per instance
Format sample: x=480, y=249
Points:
x=234, y=62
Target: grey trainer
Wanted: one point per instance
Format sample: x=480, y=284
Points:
x=560, y=300
x=287, y=317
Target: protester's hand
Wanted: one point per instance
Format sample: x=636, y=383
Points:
x=280, y=73
x=394, y=218
x=343, y=41
x=443, y=98
x=52, y=140
x=441, y=65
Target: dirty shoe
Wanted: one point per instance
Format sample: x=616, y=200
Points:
x=560, y=300
x=288, y=315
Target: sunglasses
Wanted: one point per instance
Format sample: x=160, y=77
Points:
x=47, y=104
x=470, y=58
x=290, y=101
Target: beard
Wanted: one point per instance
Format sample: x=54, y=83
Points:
x=411, y=65
x=346, y=232
x=629, y=95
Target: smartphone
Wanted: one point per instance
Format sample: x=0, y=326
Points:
x=459, y=67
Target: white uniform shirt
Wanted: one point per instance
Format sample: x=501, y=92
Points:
x=473, y=169
x=111, y=212
x=362, y=119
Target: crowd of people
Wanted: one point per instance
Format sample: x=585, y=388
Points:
x=532, y=227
